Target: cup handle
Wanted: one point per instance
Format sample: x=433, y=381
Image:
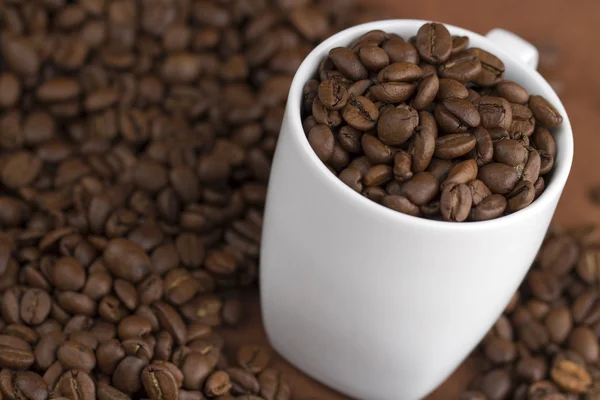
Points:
x=516, y=45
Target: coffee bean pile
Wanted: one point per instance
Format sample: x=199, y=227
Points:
x=135, y=146
x=545, y=345
x=429, y=127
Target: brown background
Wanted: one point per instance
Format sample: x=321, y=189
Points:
x=568, y=34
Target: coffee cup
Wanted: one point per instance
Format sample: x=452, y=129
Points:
x=375, y=303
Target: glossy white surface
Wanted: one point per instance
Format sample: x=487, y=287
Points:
x=377, y=304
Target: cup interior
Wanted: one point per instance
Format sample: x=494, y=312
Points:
x=516, y=71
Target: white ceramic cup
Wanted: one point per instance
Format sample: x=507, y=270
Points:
x=374, y=303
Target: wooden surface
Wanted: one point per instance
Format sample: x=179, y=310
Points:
x=568, y=32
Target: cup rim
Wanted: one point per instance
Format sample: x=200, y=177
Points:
x=551, y=192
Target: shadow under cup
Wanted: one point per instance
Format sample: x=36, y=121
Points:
x=375, y=303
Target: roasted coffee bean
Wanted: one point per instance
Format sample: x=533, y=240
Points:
x=495, y=112
x=253, y=358
x=510, y=152
x=478, y=190
x=544, y=112
x=521, y=196
x=14, y=358
x=401, y=204
x=434, y=43
x=420, y=189
x=454, y=145
x=399, y=50
x=126, y=260
x=391, y=92
x=170, y=320
x=360, y=113
x=492, y=68
x=126, y=376
x=455, y=203
x=463, y=67
x=583, y=341
x=544, y=141
x=400, y=72
x=451, y=88
x=499, y=178
x=35, y=306
x=523, y=122
x=272, y=385
x=427, y=90
x=159, y=383
x=396, y=126
x=333, y=95
x=513, y=92
x=322, y=141
x=500, y=351
x=374, y=58
x=74, y=355
x=76, y=384
x=348, y=63
x=489, y=208
x=496, y=384
x=463, y=172
x=570, y=376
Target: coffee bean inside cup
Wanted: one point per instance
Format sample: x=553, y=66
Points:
x=407, y=104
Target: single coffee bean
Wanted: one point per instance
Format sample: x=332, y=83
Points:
x=544, y=141
x=584, y=342
x=402, y=166
x=76, y=384
x=352, y=178
x=513, y=92
x=544, y=285
x=217, y=384
x=559, y=323
x=360, y=113
x=449, y=88
x=489, y=208
x=396, y=126
x=359, y=88
x=322, y=141
x=570, y=376
x=531, y=171
x=423, y=146
x=348, y=63
x=127, y=293
x=420, y=189
x=401, y=204
x=376, y=151
x=459, y=43
x=500, y=351
x=427, y=90
x=14, y=358
x=374, y=58
x=484, y=148
x=126, y=377
x=478, y=190
x=133, y=326
x=74, y=355
x=510, y=152
x=349, y=139
x=521, y=196
x=400, y=72
x=454, y=145
x=126, y=260
x=463, y=67
x=434, y=43
x=523, y=121
x=378, y=175
x=462, y=172
x=325, y=116
x=35, y=306
x=106, y=392
x=447, y=121
x=496, y=384
x=492, y=68
x=544, y=112
x=272, y=385
x=440, y=168
x=532, y=369
x=170, y=320
x=455, y=203
x=495, y=112
x=67, y=274
x=195, y=368
x=499, y=178
x=392, y=92
x=159, y=383
x=253, y=358
x=333, y=95
x=108, y=355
